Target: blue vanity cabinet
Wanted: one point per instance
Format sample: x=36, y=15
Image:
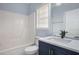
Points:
x=48, y=49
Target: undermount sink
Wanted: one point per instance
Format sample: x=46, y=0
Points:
x=58, y=39
x=63, y=40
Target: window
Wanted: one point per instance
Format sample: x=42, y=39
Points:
x=42, y=17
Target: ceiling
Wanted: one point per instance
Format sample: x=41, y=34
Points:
x=22, y=8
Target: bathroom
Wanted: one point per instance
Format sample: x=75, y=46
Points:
x=37, y=28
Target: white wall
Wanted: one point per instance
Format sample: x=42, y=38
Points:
x=16, y=31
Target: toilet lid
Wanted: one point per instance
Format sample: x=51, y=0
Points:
x=31, y=48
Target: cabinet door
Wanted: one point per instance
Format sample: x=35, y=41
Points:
x=59, y=51
x=44, y=48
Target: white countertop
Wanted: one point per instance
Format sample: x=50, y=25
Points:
x=73, y=45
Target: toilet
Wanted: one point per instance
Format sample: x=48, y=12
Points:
x=32, y=50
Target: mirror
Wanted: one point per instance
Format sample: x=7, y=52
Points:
x=72, y=22
x=65, y=17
